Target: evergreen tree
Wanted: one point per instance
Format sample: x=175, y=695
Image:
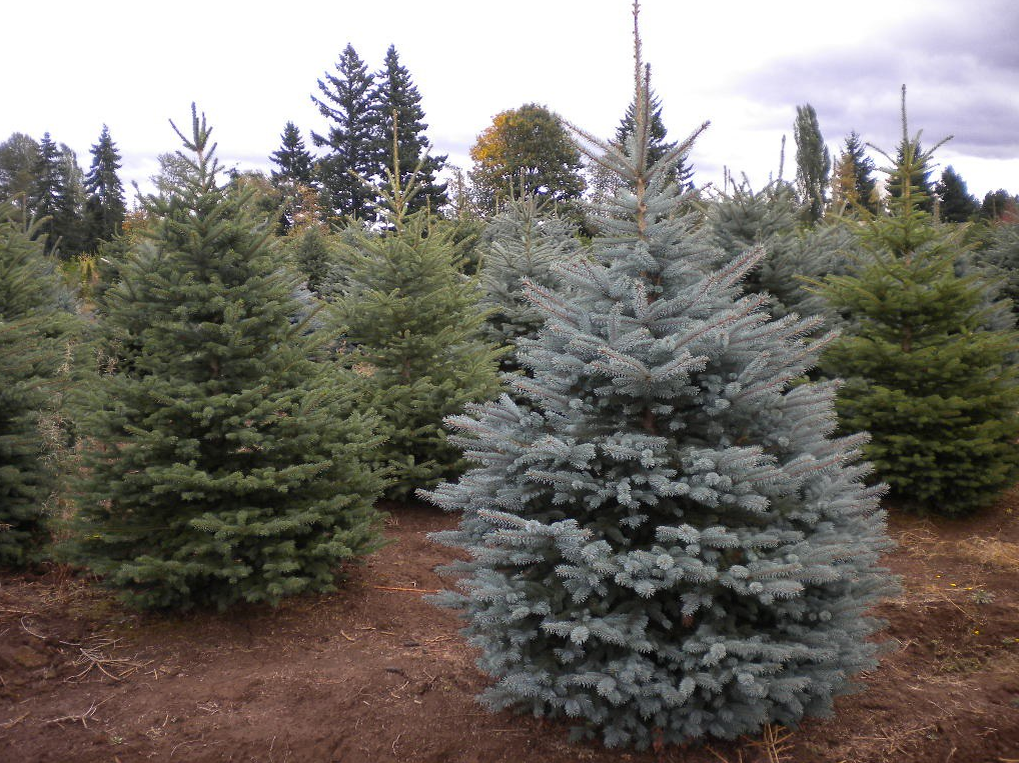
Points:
x=956, y=204
x=315, y=254
x=911, y=153
x=292, y=158
x=352, y=140
x=414, y=329
x=813, y=163
x=56, y=197
x=520, y=243
x=34, y=335
x=657, y=146
x=1000, y=205
x=399, y=106
x=769, y=218
x=45, y=199
x=853, y=183
x=104, y=205
x=294, y=177
x=669, y=545
x=69, y=224
x=925, y=374
x=1002, y=255
x=225, y=465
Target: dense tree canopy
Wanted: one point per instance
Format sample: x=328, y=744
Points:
x=526, y=152
x=813, y=163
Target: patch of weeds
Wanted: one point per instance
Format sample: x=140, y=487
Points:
x=980, y=596
x=961, y=664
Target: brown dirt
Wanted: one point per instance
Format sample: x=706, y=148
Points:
x=377, y=674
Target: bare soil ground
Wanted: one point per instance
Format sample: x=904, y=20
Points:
x=376, y=673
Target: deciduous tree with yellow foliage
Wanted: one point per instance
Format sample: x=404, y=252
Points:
x=526, y=152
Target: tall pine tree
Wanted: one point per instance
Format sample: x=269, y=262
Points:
x=49, y=188
x=399, y=107
x=293, y=178
x=295, y=165
x=669, y=545
x=352, y=140
x=925, y=374
x=104, y=194
x=657, y=147
x=224, y=465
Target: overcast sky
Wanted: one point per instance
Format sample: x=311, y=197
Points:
x=71, y=66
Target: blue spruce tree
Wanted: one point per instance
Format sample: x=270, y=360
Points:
x=670, y=544
x=521, y=242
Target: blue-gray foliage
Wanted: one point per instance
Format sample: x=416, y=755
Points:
x=521, y=242
x=667, y=542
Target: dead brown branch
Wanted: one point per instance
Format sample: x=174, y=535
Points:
x=91, y=657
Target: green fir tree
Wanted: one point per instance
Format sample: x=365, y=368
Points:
x=925, y=374
x=414, y=330
x=224, y=463
x=668, y=544
x=955, y=203
x=104, y=194
x=54, y=197
x=657, y=146
x=35, y=331
x=853, y=185
x=352, y=140
x=399, y=107
x=295, y=165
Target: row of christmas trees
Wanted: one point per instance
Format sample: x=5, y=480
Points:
x=670, y=533
x=414, y=339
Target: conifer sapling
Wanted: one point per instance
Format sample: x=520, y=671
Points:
x=668, y=544
x=224, y=463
